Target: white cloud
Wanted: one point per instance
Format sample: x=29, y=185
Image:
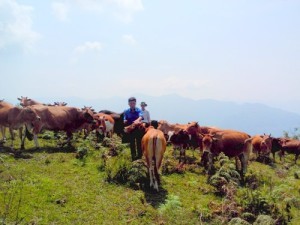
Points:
x=16, y=25
x=88, y=46
x=60, y=10
x=93, y=47
x=128, y=39
x=126, y=9
x=123, y=10
x=184, y=86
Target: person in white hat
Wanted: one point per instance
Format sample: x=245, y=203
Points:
x=146, y=114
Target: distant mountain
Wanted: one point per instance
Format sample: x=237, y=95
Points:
x=251, y=118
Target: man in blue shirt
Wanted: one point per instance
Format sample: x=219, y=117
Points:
x=134, y=115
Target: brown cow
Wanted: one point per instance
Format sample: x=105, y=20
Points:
x=60, y=118
x=153, y=147
x=105, y=124
x=290, y=146
x=14, y=118
x=231, y=143
x=261, y=144
x=88, y=127
x=25, y=101
x=169, y=129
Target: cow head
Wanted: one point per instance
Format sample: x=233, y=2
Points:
x=162, y=124
x=134, y=126
x=101, y=123
x=24, y=101
x=29, y=116
x=87, y=108
x=207, y=142
x=266, y=144
x=193, y=128
x=88, y=116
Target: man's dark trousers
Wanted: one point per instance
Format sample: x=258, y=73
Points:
x=136, y=144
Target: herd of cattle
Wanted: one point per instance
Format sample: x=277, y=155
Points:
x=211, y=141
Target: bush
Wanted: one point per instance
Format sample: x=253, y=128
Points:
x=226, y=175
x=238, y=221
x=81, y=152
x=264, y=220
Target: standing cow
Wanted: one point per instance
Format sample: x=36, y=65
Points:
x=14, y=118
x=60, y=118
x=231, y=143
x=153, y=147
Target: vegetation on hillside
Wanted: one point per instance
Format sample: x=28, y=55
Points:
x=92, y=183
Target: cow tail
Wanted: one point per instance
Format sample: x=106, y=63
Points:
x=154, y=159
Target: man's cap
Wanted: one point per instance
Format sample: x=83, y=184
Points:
x=143, y=104
x=132, y=99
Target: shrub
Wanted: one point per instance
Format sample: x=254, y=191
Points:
x=226, y=175
x=238, y=221
x=264, y=220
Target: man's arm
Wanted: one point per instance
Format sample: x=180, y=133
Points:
x=125, y=117
x=139, y=120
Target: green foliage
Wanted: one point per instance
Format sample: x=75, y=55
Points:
x=264, y=220
x=226, y=175
x=56, y=188
x=172, y=205
x=238, y=221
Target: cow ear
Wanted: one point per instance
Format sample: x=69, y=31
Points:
x=19, y=99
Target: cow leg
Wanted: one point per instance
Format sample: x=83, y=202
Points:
x=151, y=175
x=244, y=164
x=22, y=137
x=37, y=146
x=156, y=175
x=12, y=137
x=210, y=162
x=3, y=133
x=281, y=155
x=273, y=153
x=296, y=158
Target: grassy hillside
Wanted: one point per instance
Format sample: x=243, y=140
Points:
x=52, y=186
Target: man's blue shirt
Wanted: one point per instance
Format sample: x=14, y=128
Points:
x=131, y=115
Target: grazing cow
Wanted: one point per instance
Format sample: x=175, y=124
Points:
x=276, y=146
x=119, y=122
x=290, y=146
x=261, y=144
x=180, y=141
x=24, y=101
x=88, y=127
x=14, y=118
x=169, y=129
x=231, y=143
x=196, y=134
x=60, y=118
x=105, y=124
x=153, y=147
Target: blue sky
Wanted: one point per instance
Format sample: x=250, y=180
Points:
x=235, y=50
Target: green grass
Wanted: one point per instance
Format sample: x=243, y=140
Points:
x=51, y=186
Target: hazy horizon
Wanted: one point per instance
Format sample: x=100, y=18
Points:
x=238, y=51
